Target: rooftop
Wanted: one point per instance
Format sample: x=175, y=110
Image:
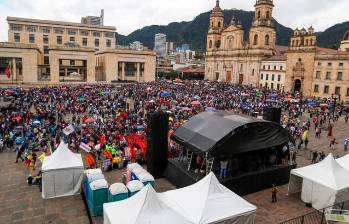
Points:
x=59, y=23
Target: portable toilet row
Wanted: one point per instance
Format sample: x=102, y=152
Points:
x=137, y=172
x=96, y=191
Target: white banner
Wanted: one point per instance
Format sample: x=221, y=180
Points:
x=68, y=130
x=85, y=147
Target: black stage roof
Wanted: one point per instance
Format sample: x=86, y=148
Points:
x=226, y=134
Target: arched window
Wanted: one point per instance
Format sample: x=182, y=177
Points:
x=218, y=44
x=267, y=40
x=311, y=42
x=306, y=42
x=297, y=43
x=219, y=24
x=212, y=24
x=268, y=15
x=255, y=40
x=259, y=14
x=210, y=44
x=292, y=43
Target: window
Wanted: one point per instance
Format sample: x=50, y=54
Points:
x=274, y=67
x=337, y=90
x=59, y=40
x=108, y=43
x=84, y=42
x=84, y=33
x=316, y=88
x=267, y=40
x=96, y=42
x=72, y=32
x=279, y=78
x=259, y=14
x=319, y=64
x=16, y=27
x=318, y=75
x=281, y=68
x=261, y=76
x=278, y=86
x=341, y=64
x=59, y=31
x=72, y=62
x=45, y=39
x=326, y=89
x=219, y=24
x=31, y=38
x=218, y=44
x=263, y=67
x=267, y=77
x=340, y=76
x=272, y=86
x=328, y=76
x=109, y=34
x=348, y=92
x=46, y=60
x=329, y=64
x=268, y=15
x=46, y=51
x=255, y=40
x=268, y=67
x=306, y=42
x=273, y=77
x=252, y=72
x=96, y=34
x=210, y=44
x=17, y=37
x=31, y=29
x=45, y=29
x=72, y=39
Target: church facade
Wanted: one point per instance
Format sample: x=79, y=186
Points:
x=229, y=57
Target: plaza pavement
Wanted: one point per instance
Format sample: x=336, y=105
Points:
x=20, y=203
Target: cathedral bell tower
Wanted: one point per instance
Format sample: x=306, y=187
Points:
x=216, y=27
x=262, y=33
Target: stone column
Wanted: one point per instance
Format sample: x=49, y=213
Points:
x=123, y=71
x=138, y=72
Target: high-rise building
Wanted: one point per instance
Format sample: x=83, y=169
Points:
x=160, y=45
x=169, y=48
x=94, y=20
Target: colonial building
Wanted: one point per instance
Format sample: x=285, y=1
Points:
x=273, y=72
x=316, y=71
x=51, y=52
x=229, y=57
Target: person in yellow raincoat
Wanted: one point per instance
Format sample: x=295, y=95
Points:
x=305, y=138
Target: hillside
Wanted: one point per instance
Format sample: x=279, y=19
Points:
x=194, y=32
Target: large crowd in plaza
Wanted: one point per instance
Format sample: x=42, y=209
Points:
x=98, y=119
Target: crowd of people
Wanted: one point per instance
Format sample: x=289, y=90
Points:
x=111, y=120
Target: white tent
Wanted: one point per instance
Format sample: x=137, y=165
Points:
x=323, y=184
x=208, y=201
x=344, y=161
x=62, y=173
x=144, y=207
x=202, y=203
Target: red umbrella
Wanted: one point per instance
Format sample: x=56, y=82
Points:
x=195, y=103
x=90, y=120
x=18, y=118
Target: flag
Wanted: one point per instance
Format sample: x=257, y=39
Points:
x=8, y=71
x=69, y=129
x=42, y=157
x=85, y=147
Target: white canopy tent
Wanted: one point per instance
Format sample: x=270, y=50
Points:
x=62, y=173
x=144, y=207
x=323, y=184
x=202, y=203
x=344, y=161
x=208, y=201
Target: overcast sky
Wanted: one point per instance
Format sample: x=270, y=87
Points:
x=130, y=15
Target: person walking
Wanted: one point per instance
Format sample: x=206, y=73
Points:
x=346, y=143
x=333, y=144
x=274, y=192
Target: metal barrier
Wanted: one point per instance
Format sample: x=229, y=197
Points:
x=316, y=217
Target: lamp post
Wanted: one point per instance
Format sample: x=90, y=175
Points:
x=334, y=99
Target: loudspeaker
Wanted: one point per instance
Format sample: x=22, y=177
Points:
x=272, y=114
x=157, y=143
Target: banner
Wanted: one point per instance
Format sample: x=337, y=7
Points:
x=68, y=130
x=85, y=147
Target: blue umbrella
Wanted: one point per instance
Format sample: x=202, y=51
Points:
x=197, y=98
x=165, y=94
x=36, y=122
x=140, y=128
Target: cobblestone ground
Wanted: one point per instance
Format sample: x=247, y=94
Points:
x=20, y=203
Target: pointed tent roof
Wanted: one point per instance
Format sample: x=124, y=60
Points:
x=144, y=207
x=327, y=172
x=344, y=161
x=199, y=202
x=62, y=158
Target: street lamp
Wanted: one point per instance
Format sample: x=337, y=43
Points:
x=334, y=99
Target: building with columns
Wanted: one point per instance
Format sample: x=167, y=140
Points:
x=53, y=52
x=229, y=57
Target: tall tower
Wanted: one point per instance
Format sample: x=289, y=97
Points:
x=262, y=33
x=215, y=28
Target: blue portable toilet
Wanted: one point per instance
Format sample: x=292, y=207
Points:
x=89, y=179
x=98, y=196
x=117, y=192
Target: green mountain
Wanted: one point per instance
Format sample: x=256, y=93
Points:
x=194, y=32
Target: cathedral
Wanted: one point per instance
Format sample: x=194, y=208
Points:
x=232, y=59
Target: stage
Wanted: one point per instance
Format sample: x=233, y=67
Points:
x=177, y=173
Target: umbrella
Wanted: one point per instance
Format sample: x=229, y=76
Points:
x=90, y=120
x=140, y=128
x=197, y=98
x=324, y=105
x=185, y=109
x=9, y=91
x=165, y=94
x=195, y=103
x=18, y=118
x=210, y=109
x=36, y=122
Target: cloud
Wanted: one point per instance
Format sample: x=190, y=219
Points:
x=130, y=15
